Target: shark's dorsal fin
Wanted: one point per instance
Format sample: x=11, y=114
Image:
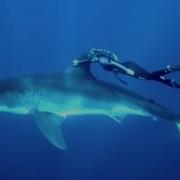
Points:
x=81, y=70
x=50, y=126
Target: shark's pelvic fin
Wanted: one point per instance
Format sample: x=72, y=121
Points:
x=117, y=118
x=50, y=126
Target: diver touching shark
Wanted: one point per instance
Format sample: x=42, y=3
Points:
x=110, y=62
x=50, y=98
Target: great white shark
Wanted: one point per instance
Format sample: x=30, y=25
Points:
x=51, y=98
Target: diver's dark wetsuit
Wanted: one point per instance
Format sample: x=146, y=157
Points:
x=140, y=73
x=109, y=62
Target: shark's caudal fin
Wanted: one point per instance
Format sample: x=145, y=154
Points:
x=50, y=126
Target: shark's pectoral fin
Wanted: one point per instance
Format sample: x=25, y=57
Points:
x=50, y=126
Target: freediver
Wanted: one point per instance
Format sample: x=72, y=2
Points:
x=110, y=62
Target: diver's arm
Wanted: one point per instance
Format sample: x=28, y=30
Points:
x=90, y=60
x=77, y=62
x=90, y=57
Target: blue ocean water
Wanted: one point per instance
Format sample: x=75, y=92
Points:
x=41, y=36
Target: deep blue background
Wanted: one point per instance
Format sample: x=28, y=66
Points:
x=40, y=36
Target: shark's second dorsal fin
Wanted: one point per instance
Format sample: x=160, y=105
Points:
x=80, y=70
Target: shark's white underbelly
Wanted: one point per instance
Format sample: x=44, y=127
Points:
x=72, y=106
x=75, y=105
x=69, y=106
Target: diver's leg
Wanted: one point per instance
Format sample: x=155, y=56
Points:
x=169, y=69
x=157, y=74
x=168, y=82
x=139, y=72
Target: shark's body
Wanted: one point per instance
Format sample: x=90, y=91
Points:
x=50, y=98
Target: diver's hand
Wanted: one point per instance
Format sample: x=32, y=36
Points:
x=75, y=62
x=97, y=53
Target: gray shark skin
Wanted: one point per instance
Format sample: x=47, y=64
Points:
x=51, y=98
